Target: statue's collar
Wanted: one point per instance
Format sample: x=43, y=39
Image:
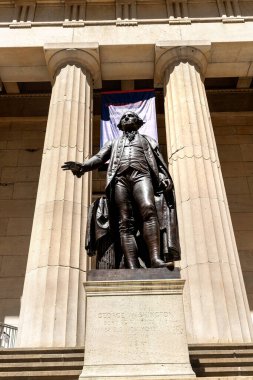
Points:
x=130, y=135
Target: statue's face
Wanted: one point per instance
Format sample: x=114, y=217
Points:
x=129, y=122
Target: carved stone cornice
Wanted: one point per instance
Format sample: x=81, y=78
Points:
x=82, y=55
x=168, y=56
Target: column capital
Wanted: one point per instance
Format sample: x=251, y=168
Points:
x=167, y=55
x=83, y=55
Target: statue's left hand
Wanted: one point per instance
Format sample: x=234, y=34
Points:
x=167, y=184
x=75, y=167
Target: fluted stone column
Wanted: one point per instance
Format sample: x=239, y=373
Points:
x=216, y=305
x=52, y=309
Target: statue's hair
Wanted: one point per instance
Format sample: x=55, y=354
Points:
x=140, y=122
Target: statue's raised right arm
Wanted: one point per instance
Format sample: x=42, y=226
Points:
x=78, y=168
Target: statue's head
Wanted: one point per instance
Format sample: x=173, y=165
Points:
x=130, y=121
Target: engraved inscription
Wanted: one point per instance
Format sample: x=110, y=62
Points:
x=155, y=321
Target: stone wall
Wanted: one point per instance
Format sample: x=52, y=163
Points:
x=234, y=137
x=21, y=142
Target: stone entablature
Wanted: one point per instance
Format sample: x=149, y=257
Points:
x=123, y=61
x=27, y=13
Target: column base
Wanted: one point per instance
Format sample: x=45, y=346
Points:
x=135, y=329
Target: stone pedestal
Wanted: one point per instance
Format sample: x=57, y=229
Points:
x=135, y=328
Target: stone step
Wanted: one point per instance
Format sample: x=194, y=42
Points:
x=40, y=366
x=41, y=375
x=222, y=362
x=224, y=371
x=232, y=350
x=41, y=357
x=222, y=346
x=237, y=377
x=34, y=351
x=222, y=354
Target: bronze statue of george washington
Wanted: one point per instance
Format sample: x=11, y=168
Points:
x=135, y=225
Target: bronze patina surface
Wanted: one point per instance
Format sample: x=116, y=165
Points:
x=135, y=224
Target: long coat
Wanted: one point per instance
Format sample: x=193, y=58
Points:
x=96, y=235
x=113, y=150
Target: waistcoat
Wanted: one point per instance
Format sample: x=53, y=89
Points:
x=133, y=156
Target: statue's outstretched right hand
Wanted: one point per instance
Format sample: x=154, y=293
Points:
x=75, y=167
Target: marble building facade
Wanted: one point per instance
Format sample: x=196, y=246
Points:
x=83, y=48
